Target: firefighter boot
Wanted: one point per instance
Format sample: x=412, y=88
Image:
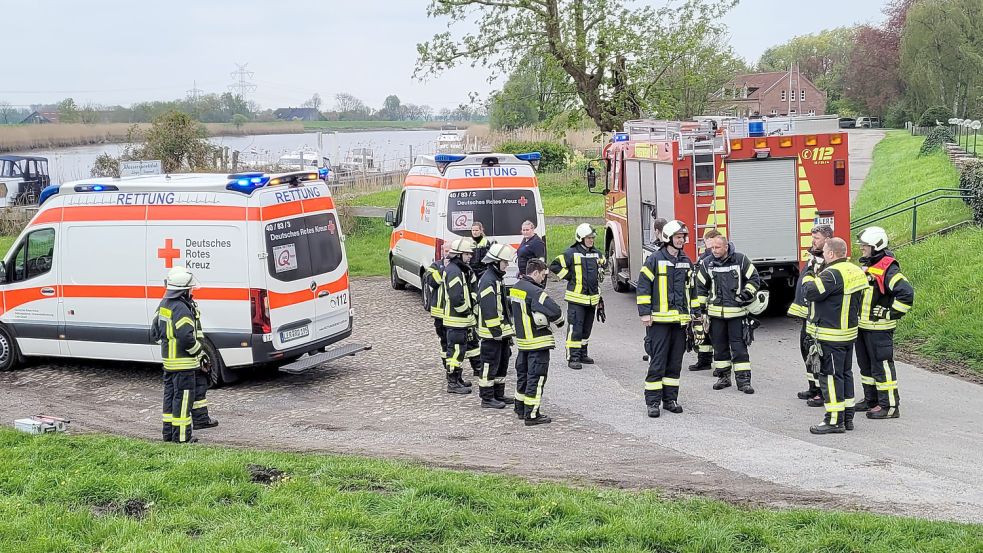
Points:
x=672, y=406
x=723, y=381
x=573, y=361
x=816, y=401
x=584, y=358
x=520, y=409
x=878, y=413
x=500, y=394
x=454, y=383
x=704, y=361
x=848, y=414
x=812, y=392
x=827, y=428
x=539, y=419
x=488, y=401
x=461, y=381
x=743, y=379
x=654, y=411
x=210, y=423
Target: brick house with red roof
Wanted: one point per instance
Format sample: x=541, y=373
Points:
x=769, y=94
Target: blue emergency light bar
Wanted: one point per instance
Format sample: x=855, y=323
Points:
x=96, y=188
x=323, y=173
x=48, y=192
x=530, y=156
x=448, y=158
x=621, y=137
x=247, y=182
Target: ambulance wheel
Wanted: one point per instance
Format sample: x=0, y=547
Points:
x=219, y=375
x=397, y=283
x=424, y=292
x=9, y=356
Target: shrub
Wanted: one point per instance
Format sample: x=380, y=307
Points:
x=971, y=180
x=555, y=156
x=941, y=114
x=935, y=139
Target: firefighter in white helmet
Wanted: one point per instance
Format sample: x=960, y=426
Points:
x=888, y=298
x=664, y=301
x=582, y=266
x=176, y=328
x=494, y=327
x=459, y=299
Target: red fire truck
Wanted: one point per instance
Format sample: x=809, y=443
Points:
x=763, y=183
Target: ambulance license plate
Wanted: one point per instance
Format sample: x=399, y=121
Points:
x=294, y=333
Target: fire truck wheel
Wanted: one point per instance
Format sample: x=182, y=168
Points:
x=219, y=375
x=9, y=356
x=396, y=282
x=619, y=285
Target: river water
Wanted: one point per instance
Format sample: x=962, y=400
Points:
x=391, y=149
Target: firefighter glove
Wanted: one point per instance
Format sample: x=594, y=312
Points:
x=601, y=315
x=880, y=312
x=745, y=297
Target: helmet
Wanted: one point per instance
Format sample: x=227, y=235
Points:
x=180, y=278
x=673, y=227
x=759, y=303
x=875, y=237
x=540, y=320
x=498, y=252
x=462, y=245
x=584, y=230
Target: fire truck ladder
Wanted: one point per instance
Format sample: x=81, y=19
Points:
x=704, y=173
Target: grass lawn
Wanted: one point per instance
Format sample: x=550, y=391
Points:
x=898, y=173
x=563, y=193
x=96, y=493
x=5, y=243
x=943, y=323
x=361, y=125
x=368, y=248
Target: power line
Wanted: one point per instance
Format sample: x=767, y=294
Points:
x=241, y=80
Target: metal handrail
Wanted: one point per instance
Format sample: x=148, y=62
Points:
x=866, y=220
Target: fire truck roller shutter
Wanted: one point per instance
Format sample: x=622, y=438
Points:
x=762, y=210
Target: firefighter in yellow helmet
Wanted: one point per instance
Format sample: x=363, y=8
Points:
x=176, y=328
x=888, y=298
x=582, y=266
x=457, y=283
x=494, y=327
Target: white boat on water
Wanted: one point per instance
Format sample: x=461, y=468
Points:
x=359, y=161
x=450, y=139
x=305, y=158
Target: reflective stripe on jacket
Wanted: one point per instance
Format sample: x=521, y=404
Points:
x=835, y=296
x=527, y=298
x=458, y=285
x=433, y=282
x=898, y=297
x=177, y=328
x=663, y=290
x=494, y=309
x=719, y=281
x=800, y=307
x=581, y=267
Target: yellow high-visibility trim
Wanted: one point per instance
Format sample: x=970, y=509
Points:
x=648, y=272
x=671, y=382
x=643, y=300
x=894, y=280
x=657, y=385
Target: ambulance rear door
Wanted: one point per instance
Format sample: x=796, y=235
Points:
x=332, y=300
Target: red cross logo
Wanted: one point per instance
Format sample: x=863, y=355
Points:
x=331, y=227
x=423, y=209
x=523, y=201
x=168, y=253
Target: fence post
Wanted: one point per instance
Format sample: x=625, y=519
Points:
x=914, y=223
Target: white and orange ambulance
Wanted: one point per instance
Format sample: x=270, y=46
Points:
x=445, y=194
x=84, y=279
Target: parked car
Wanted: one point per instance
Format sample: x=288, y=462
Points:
x=847, y=122
x=868, y=123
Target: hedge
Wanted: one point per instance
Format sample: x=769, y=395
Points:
x=935, y=139
x=555, y=156
x=971, y=180
x=941, y=114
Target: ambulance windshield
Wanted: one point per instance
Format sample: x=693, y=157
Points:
x=501, y=211
x=303, y=247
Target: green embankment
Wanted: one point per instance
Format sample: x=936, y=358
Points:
x=5, y=243
x=943, y=325
x=93, y=493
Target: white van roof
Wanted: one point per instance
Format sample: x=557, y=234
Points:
x=476, y=158
x=181, y=182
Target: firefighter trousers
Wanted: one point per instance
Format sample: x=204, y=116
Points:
x=836, y=381
x=533, y=366
x=666, y=345
x=495, y=355
x=473, y=351
x=457, y=345
x=179, y=393
x=805, y=342
x=441, y=330
x=580, y=321
x=199, y=409
x=729, y=350
x=875, y=356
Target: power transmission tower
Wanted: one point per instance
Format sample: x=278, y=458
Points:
x=194, y=93
x=241, y=84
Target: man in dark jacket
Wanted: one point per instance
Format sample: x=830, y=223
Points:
x=582, y=266
x=888, y=298
x=704, y=350
x=800, y=308
x=726, y=284
x=664, y=302
x=494, y=327
x=531, y=247
x=175, y=328
x=532, y=313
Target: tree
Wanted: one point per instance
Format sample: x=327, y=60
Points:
x=821, y=57
x=391, y=108
x=616, y=56
x=314, y=102
x=942, y=55
x=537, y=90
x=233, y=104
x=239, y=120
x=350, y=108
x=6, y=112
x=872, y=76
x=178, y=141
x=68, y=111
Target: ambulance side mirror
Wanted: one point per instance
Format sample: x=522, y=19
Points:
x=390, y=218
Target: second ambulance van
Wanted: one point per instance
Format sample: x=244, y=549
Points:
x=84, y=279
x=444, y=195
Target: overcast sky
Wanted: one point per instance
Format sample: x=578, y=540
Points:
x=119, y=52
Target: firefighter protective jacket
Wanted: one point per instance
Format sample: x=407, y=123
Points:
x=800, y=307
x=494, y=309
x=433, y=281
x=458, y=285
x=177, y=328
x=720, y=281
x=663, y=291
x=888, y=289
x=835, y=296
x=581, y=267
x=527, y=298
